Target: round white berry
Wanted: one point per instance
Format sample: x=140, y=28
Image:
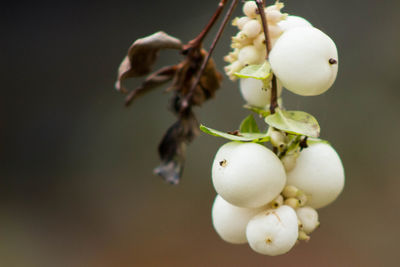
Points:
x=308, y=218
x=273, y=232
x=230, y=221
x=293, y=22
x=256, y=93
x=247, y=174
x=319, y=174
x=249, y=55
x=305, y=60
x=274, y=16
x=250, y=9
x=240, y=22
x=252, y=28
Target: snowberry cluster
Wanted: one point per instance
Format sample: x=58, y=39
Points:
x=261, y=203
x=269, y=199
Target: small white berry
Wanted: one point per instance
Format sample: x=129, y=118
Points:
x=273, y=232
x=256, y=93
x=309, y=219
x=240, y=22
x=250, y=9
x=252, y=28
x=230, y=221
x=249, y=55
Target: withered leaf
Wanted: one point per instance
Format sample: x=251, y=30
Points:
x=173, y=145
x=142, y=55
x=185, y=76
x=154, y=80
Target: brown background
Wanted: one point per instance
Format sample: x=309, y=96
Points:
x=76, y=167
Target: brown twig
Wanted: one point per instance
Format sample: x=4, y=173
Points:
x=199, y=39
x=274, y=94
x=187, y=99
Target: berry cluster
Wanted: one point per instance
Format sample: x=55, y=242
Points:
x=269, y=198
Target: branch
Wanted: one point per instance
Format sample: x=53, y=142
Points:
x=186, y=100
x=274, y=93
x=199, y=39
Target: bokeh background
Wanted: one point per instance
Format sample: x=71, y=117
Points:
x=76, y=182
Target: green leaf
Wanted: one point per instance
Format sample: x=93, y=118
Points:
x=311, y=141
x=249, y=125
x=259, y=111
x=295, y=122
x=260, y=72
x=243, y=137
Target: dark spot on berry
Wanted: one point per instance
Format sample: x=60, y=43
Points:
x=332, y=61
x=222, y=163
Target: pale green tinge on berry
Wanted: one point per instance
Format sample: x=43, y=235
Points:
x=273, y=232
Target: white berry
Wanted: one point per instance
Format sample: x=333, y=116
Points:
x=305, y=60
x=319, y=174
x=250, y=9
x=247, y=174
x=252, y=28
x=230, y=221
x=240, y=22
x=309, y=219
x=256, y=93
x=293, y=22
x=249, y=55
x=273, y=232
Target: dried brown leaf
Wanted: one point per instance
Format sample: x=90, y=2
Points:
x=153, y=81
x=142, y=55
x=173, y=146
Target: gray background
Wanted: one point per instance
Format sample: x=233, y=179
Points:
x=76, y=166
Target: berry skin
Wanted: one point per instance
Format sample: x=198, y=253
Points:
x=273, y=232
x=309, y=219
x=230, y=221
x=293, y=22
x=250, y=9
x=240, y=22
x=252, y=28
x=249, y=55
x=319, y=174
x=255, y=93
x=305, y=60
x=247, y=174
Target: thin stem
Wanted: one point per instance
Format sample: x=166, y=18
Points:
x=274, y=93
x=187, y=99
x=199, y=39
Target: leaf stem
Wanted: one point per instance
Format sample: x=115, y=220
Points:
x=274, y=94
x=185, y=103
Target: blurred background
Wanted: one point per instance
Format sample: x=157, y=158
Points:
x=76, y=182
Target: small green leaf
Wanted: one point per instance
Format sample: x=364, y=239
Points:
x=249, y=125
x=311, y=141
x=295, y=122
x=260, y=72
x=259, y=111
x=243, y=137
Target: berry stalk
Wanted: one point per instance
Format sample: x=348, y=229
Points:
x=186, y=100
x=274, y=94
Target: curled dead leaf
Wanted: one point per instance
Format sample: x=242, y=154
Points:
x=142, y=55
